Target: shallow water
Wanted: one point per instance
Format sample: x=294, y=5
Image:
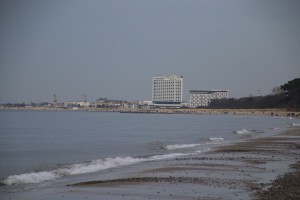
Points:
x=39, y=146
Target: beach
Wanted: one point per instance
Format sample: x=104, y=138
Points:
x=149, y=156
x=263, y=168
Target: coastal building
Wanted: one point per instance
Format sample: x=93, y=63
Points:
x=167, y=90
x=77, y=104
x=109, y=103
x=202, y=98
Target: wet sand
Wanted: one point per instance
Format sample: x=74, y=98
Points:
x=262, y=168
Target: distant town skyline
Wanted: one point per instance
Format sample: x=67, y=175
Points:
x=113, y=49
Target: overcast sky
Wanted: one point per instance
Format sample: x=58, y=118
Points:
x=112, y=49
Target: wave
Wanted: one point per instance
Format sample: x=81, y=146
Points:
x=89, y=167
x=92, y=166
x=34, y=177
x=294, y=124
x=242, y=132
x=181, y=146
x=213, y=140
x=216, y=139
x=167, y=156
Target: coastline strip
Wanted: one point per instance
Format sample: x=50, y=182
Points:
x=245, y=168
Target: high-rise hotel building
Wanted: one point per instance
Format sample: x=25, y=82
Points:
x=167, y=89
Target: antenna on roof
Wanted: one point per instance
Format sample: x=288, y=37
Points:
x=258, y=92
x=84, y=99
x=55, y=98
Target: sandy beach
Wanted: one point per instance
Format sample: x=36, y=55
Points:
x=261, y=168
x=263, y=164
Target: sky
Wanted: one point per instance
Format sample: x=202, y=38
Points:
x=113, y=48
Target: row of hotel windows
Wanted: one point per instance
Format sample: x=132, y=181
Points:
x=167, y=83
x=166, y=88
x=200, y=99
x=170, y=100
x=167, y=96
x=167, y=80
x=164, y=81
x=208, y=96
x=178, y=84
x=166, y=92
x=163, y=87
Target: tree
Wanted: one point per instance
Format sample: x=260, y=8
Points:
x=292, y=92
x=277, y=90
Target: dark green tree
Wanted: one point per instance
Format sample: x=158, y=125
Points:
x=292, y=92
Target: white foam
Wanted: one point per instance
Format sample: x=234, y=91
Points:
x=30, y=178
x=242, y=132
x=97, y=165
x=181, y=146
x=213, y=140
x=216, y=139
x=294, y=124
x=167, y=156
x=93, y=166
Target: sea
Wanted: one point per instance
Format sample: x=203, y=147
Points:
x=45, y=146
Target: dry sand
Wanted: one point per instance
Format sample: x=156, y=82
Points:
x=263, y=168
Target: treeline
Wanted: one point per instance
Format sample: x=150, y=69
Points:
x=285, y=96
x=18, y=105
x=22, y=105
x=260, y=102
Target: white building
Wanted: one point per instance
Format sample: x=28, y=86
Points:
x=167, y=90
x=202, y=98
x=77, y=103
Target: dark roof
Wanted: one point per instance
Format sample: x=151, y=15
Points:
x=206, y=91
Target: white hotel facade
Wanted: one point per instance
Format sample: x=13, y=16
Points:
x=167, y=90
x=202, y=98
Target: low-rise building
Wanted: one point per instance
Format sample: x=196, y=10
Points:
x=107, y=103
x=77, y=104
x=202, y=98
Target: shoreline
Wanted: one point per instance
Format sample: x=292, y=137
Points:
x=197, y=111
x=245, y=170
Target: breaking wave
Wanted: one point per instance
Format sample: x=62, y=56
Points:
x=88, y=167
x=242, y=132
x=212, y=140
x=216, y=139
x=181, y=146
x=294, y=124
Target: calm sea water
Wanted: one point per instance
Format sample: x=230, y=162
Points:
x=38, y=146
